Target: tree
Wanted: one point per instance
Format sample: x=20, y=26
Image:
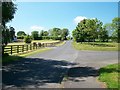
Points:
x=34, y=35
x=87, y=30
x=45, y=33
x=116, y=29
x=21, y=33
x=64, y=33
x=103, y=35
x=27, y=39
x=8, y=11
x=55, y=32
x=12, y=33
x=41, y=33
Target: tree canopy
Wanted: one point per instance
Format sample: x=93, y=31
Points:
x=8, y=11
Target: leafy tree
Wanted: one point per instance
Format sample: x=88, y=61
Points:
x=55, y=32
x=42, y=33
x=8, y=11
x=87, y=30
x=116, y=29
x=21, y=33
x=12, y=33
x=34, y=35
x=109, y=28
x=64, y=33
x=45, y=33
x=103, y=35
x=27, y=39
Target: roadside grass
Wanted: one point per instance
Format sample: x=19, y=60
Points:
x=41, y=41
x=96, y=46
x=110, y=75
x=11, y=58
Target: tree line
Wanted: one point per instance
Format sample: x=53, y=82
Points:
x=92, y=30
x=55, y=34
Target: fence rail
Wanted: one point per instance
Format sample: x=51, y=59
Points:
x=15, y=49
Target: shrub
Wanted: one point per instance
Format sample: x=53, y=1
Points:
x=20, y=37
x=27, y=39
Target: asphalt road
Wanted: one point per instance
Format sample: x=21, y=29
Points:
x=47, y=69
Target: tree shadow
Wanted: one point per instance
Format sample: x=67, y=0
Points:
x=77, y=74
x=34, y=71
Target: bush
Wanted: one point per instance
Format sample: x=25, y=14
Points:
x=27, y=39
x=20, y=37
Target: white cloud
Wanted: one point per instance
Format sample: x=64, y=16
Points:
x=36, y=27
x=79, y=19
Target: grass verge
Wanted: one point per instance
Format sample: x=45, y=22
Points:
x=110, y=74
x=96, y=46
x=9, y=59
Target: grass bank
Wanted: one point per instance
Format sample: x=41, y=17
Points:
x=96, y=46
x=110, y=74
x=11, y=58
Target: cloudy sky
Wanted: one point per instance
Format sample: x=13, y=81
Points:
x=46, y=15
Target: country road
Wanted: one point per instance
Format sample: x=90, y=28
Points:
x=47, y=69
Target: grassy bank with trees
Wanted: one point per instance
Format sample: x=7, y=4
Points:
x=91, y=34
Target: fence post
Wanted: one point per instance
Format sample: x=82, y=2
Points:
x=17, y=48
x=22, y=48
x=27, y=48
x=11, y=50
x=36, y=45
x=30, y=47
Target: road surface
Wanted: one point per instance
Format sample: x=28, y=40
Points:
x=47, y=69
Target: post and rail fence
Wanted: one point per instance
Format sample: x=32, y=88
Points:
x=15, y=49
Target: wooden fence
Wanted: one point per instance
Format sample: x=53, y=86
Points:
x=15, y=49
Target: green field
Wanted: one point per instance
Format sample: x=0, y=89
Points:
x=110, y=74
x=96, y=46
x=41, y=41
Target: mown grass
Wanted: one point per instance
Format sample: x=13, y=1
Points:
x=41, y=41
x=8, y=59
x=96, y=46
x=110, y=75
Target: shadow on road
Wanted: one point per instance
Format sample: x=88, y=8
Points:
x=77, y=74
x=34, y=71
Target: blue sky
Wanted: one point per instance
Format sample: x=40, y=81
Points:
x=46, y=15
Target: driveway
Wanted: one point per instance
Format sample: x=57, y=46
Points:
x=47, y=69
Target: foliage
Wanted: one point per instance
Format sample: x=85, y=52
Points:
x=45, y=33
x=8, y=11
x=64, y=33
x=55, y=32
x=87, y=30
x=7, y=34
x=34, y=35
x=27, y=39
x=92, y=29
x=116, y=29
x=21, y=33
x=12, y=33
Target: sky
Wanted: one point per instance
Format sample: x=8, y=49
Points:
x=39, y=16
